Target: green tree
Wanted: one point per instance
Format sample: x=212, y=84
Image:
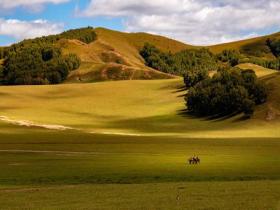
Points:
x=191, y=78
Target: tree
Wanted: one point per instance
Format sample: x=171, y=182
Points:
x=274, y=46
x=191, y=78
x=231, y=56
x=248, y=108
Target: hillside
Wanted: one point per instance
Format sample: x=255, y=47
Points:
x=117, y=107
x=259, y=70
x=115, y=56
x=249, y=46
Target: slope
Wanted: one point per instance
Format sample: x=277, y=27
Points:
x=259, y=70
x=115, y=56
x=254, y=46
x=131, y=108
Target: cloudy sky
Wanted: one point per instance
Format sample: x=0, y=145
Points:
x=200, y=22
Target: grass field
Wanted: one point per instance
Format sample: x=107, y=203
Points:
x=128, y=107
x=255, y=195
x=43, y=169
x=140, y=163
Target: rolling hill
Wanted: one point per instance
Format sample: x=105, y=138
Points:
x=115, y=56
x=249, y=46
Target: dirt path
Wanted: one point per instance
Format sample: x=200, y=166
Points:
x=27, y=123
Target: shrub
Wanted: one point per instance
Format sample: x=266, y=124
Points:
x=191, y=78
x=231, y=56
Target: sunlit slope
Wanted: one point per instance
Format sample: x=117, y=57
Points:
x=248, y=45
x=115, y=56
x=259, y=70
x=132, y=107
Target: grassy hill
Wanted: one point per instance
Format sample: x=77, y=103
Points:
x=249, y=46
x=259, y=70
x=115, y=56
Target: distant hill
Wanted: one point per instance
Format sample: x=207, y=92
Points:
x=254, y=46
x=115, y=56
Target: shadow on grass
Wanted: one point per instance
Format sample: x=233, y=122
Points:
x=235, y=116
x=180, y=89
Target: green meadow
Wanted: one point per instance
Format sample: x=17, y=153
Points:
x=151, y=108
x=42, y=169
x=126, y=145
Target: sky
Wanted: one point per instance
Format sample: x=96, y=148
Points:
x=198, y=22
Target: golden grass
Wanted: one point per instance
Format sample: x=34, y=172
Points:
x=130, y=107
x=259, y=70
x=237, y=45
x=117, y=48
x=256, y=195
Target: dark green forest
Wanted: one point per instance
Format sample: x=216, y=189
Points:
x=40, y=61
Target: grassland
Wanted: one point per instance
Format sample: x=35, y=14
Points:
x=129, y=107
x=260, y=71
x=140, y=163
x=255, y=195
x=43, y=169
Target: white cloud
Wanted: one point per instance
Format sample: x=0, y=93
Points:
x=28, y=29
x=193, y=21
x=8, y=4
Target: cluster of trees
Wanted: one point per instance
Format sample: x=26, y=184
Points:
x=39, y=61
x=192, y=77
x=230, y=91
x=2, y=52
x=274, y=46
x=179, y=63
x=86, y=35
x=37, y=65
x=232, y=57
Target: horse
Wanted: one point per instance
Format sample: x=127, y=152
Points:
x=194, y=160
